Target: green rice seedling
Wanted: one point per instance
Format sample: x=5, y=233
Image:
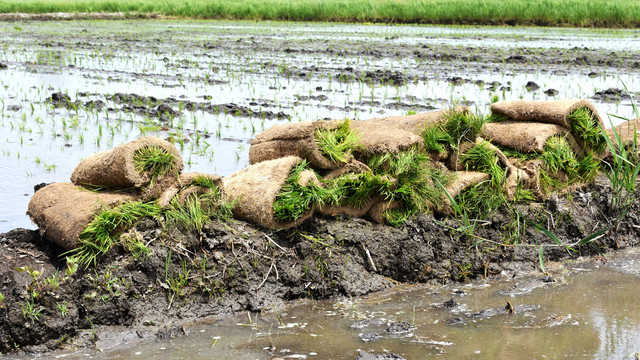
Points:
x=135, y=246
x=587, y=129
x=482, y=158
x=415, y=189
x=356, y=190
x=199, y=209
x=559, y=156
x=436, y=139
x=622, y=171
x=294, y=200
x=497, y=117
x=154, y=160
x=589, y=167
x=100, y=235
x=481, y=200
x=337, y=144
x=462, y=127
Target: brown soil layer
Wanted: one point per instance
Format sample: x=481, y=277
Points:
x=234, y=266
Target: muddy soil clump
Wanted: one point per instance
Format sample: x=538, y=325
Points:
x=234, y=266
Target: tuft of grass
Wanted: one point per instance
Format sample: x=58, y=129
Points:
x=559, y=156
x=101, y=233
x=622, y=171
x=338, y=144
x=154, y=160
x=462, y=127
x=416, y=188
x=481, y=200
x=482, y=158
x=294, y=200
x=436, y=139
x=588, y=130
x=494, y=117
x=198, y=209
x=356, y=190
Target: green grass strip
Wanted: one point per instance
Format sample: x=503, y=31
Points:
x=337, y=144
x=572, y=13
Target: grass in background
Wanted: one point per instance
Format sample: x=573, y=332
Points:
x=575, y=13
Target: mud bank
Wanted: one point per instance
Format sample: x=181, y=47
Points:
x=234, y=266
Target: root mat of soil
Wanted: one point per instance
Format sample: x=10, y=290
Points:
x=232, y=267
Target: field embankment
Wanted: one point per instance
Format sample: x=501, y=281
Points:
x=572, y=13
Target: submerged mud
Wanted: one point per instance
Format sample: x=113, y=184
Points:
x=233, y=266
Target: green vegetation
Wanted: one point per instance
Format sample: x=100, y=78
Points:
x=622, y=170
x=458, y=127
x=294, y=200
x=484, y=159
x=101, y=233
x=416, y=188
x=154, y=160
x=407, y=178
x=577, y=13
x=356, y=190
x=586, y=128
x=337, y=144
x=559, y=158
x=198, y=209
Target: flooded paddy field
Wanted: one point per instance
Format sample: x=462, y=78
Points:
x=69, y=89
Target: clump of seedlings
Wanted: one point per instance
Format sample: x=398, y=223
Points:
x=337, y=144
x=154, y=160
x=416, y=189
x=560, y=159
x=199, y=208
x=586, y=128
x=294, y=199
x=356, y=190
x=458, y=127
x=102, y=232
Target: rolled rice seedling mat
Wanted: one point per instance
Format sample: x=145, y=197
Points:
x=117, y=168
x=298, y=139
x=464, y=180
x=383, y=137
x=580, y=116
x=63, y=210
x=255, y=188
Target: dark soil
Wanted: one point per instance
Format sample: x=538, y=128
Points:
x=234, y=266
